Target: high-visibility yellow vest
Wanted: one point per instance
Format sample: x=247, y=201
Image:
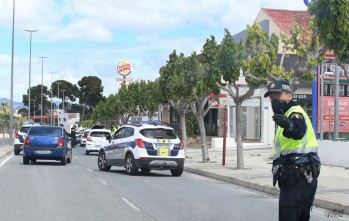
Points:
x=284, y=145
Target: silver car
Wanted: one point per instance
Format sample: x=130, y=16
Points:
x=84, y=137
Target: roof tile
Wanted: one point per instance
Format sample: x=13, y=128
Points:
x=285, y=19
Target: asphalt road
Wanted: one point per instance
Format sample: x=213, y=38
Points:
x=79, y=191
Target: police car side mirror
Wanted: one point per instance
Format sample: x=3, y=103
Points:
x=108, y=137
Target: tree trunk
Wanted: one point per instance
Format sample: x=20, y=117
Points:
x=200, y=119
x=83, y=112
x=150, y=115
x=239, y=148
x=184, y=131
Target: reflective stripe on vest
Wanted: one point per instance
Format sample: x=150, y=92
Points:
x=284, y=145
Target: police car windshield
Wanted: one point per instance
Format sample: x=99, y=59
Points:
x=99, y=134
x=158, y=133
x=24, y=129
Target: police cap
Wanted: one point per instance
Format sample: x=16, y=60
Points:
x=278, y=86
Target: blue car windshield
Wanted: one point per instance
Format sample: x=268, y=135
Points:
x=45, y=131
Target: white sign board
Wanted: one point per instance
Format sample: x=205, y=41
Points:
x=228, y=101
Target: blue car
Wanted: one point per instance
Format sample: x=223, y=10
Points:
x=47, y=143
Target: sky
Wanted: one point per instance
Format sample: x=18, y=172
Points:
x=90, y=37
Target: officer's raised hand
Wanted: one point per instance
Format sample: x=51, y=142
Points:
x=282, y=120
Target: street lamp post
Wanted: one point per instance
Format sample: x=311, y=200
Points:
x=30, y=62
x=58, y=92
x=336, y=102
x=51, y=99
x=34, y=109
x=322, y=103
x=42, y=84
x=13, y=45
x=63, y=98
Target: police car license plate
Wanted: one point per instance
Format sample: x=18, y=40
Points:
x=163, y=152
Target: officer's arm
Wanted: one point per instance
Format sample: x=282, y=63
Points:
x=298, y=128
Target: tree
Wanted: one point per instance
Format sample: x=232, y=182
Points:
x=175, y=90
x=5, y=118
x=35, y=94
x=154, y=98
x=253, y=60
x=198, y=76
x=91, y=92
x=71, y=91
x=304, y=42
x=331, y=19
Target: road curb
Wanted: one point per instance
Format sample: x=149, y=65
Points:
x=5, y=151
x=318, y=202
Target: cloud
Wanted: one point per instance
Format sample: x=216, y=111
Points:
x=89, y=37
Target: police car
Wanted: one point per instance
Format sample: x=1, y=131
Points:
x=143, y=146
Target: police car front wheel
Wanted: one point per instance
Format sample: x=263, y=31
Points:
x=102, y=162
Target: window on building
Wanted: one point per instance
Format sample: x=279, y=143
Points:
x=333, y=91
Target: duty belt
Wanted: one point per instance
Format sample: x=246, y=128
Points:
x=307, y=165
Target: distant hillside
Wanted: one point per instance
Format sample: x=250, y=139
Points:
x=15, y=104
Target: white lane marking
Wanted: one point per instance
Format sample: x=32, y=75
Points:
x=89, y=170
x=76, y=157
x=7, y=159
x=133, y=206
x=102, y=181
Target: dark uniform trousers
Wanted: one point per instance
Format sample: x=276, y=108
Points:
x=73, y=138
x=296, y=197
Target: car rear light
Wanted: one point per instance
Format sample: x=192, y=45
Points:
x=60, y=142
x=140, y=143
x=16, y=135
x=89, y=139
x=181, y=145
x=27, y=142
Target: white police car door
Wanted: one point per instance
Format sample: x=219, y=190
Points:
x=115, y=146
x=124, y=143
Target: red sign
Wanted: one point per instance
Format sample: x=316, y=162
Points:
x=124, y=79
x=124, y=68
x=328, y=114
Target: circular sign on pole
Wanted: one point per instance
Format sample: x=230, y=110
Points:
x=124, y=68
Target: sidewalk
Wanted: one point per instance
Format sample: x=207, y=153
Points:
x=333, y=182
x=5, y=149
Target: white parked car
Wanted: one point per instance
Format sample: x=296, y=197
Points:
x=84, y=136
x=95, y=139
x=143, y=146
x=20, y=138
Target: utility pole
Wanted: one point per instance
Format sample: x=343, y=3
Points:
x=336, y=102
x=30, y=65
x=13, y=46
x=51, y=99
x=63, y=98
x=34, y=109
x=42, y=84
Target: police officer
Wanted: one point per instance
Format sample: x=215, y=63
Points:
x=296, y=164
x=113, y=129
x=73, y=135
